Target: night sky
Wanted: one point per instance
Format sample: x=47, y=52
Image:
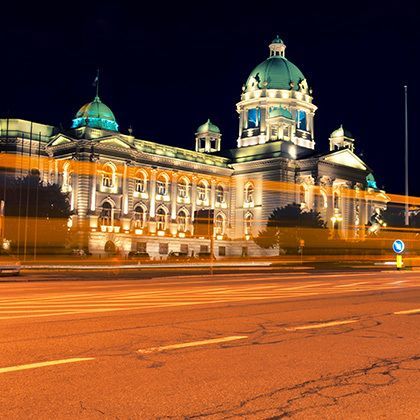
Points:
x=166, y=69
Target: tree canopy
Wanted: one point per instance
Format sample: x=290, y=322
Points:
x=287, y=226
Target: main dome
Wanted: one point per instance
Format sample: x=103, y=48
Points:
x=276, y=72
x=95, y=114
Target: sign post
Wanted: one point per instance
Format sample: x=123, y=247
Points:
x=398, y=247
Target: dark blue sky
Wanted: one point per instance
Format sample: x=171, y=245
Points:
x=166, y=69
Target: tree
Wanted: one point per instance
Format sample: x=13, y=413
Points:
x=36, y=213
x=288, y=225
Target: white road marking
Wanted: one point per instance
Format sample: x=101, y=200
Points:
x=323, y=325
x=44, y=364
x=408, y=312
x=351, y=284
x=191, y=344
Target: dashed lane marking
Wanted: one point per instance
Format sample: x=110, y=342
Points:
x=44, y=364
x=323, y=325
x=192, y=344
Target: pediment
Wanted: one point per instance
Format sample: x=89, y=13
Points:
x=60, y=139
x=345, y=157
x=115, y=141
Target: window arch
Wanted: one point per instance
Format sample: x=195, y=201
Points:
x=249, y=193
x=248, y=223
x=140, y=180
x=161, y=218
x=220, y=194
x=202, y=190
x=106, y=215
x=139, y=216
x=109, y=175
x=67, y=177
x=183, y=187
x=220, y=224
x=162, y=184
x=182, y=220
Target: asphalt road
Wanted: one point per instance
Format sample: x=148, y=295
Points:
x=240, y=344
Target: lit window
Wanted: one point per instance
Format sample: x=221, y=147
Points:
x=182, y=221
x=248, y=224
x=162, y=186
x=301, y=119
x=183, y=188
x=219, y=224
x=254, y=116
x=108, y=176
x=139, y=218
x=249, y=193
x=105, y=218
x=202, y=191
x=161, y=219
x=336, y=200
x=220, y=194
x=141, y=182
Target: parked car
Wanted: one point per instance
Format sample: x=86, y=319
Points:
x=178, y=257
x=9, y=264
x=139, y=256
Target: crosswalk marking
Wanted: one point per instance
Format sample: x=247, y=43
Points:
x=142, y=296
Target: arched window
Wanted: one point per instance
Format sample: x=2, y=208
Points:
x=336, y=197
x=301, y=120
x=324, y=201
x=162, y=185
x=248, y=223
x=220, y=194
x=67, y=177
x=140, y=182
x=219, y=224
x=108, y=176
x=202, y=191
x=105, y=217
x=183, y=188
x=161, y=219
x=249, y=193
x=302, y=195
x=182, y=221
x=139, y=217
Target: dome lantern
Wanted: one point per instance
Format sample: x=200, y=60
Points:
x=277, y=47
x=208, y=138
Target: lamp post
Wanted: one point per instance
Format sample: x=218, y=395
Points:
x=407, y=216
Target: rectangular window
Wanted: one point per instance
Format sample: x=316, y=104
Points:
x=204, y=248
x=184, y=248
x=141, y=246
x=244, y=251
x=301, y=120
x=163, y=249
x=254, y=115
x=222, y=251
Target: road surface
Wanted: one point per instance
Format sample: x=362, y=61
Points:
x=244, y=344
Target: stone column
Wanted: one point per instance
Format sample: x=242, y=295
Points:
x=213, y=194
x=152, y=195
x=174, y=195
x=193, y=195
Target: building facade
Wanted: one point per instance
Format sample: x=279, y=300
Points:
x=131, y=194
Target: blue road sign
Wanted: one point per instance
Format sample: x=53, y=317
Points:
x=398, y=246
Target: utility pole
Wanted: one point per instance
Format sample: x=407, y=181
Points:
x=407, y=216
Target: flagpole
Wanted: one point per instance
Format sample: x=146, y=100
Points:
x=407, y=215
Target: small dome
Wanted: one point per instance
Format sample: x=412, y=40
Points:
x=341, y=132
x=277, y=40
x=95, y=114
x=208, y=126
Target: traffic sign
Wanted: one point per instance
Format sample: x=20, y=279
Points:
x=398, y=246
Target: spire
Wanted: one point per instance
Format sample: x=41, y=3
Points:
x=277, y=47
x=96, y=84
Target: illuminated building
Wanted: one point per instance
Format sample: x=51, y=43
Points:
x=132, y=194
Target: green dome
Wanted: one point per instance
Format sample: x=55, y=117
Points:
x=275, y=73
x=277, y=40
x=95, y=114
x=208, y=126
